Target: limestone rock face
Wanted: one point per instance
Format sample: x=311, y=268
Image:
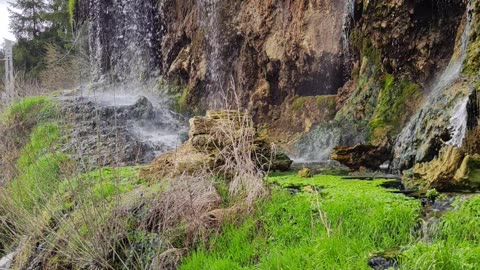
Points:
x=367, y=156
x=209, y=136
x=451, y=170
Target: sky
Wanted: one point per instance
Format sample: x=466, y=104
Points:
x=4, y=28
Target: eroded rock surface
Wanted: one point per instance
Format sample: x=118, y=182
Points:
x=453, y=169
x=209, y=136
x=367, y=156
x=117, y=135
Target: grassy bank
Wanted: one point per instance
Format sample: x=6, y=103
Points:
x=338, y=224
x=61, y=218
x=335, y=227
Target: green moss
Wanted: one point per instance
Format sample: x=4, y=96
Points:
x=392, y=110
x=179, y=94
x=71, y=10
x=472, y=62
x=38, y=181
x=299, y=103
x=335, y=230
x=42, y=139
x=305, y=173
x=322, y=102
x=30, y=109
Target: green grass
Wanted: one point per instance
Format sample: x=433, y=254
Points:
x=287, y=232
x=30, y=109
x=42, y=139
x=457, y=241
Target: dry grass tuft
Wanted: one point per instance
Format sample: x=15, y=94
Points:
x=178, y=211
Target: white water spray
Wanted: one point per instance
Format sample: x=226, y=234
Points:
x=458, y=123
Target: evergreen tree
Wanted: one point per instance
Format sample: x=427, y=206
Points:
x=36, y=24
x=27, y=18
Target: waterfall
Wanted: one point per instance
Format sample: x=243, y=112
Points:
x=216, y=64
x=423, y=136
x=458, y=123
x=348, y=20
x=125, y=38
x=125, y=46
x=318, y=145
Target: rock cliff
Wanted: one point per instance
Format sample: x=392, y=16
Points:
x=398, y=68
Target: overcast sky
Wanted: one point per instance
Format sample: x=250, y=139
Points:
x=4, y=29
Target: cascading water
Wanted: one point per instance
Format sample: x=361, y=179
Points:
x=216, y=64
x=318, y=145
x=458, y=123
x=125, y=38
x=440, y=117
x=348, y=22
x=125, y=44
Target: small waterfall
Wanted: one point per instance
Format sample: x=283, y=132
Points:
x=216, y=64
x=125, y=38
x=348, y=21
x=458, y=123
x=125, y=44
x=421, y=139
x=318, y=145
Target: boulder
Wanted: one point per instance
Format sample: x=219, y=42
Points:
x=305, y=173
x=209, y=137
x=360, y=155
x=453, y=169
x=281, y=162
x=183, y=160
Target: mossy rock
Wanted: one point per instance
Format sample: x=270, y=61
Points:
x=305, y=173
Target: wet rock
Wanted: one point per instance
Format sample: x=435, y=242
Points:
x=281, y=162
x=121, y=135
x=367, y=156
x=451, y=170
x=384, y=260
x=380, y=263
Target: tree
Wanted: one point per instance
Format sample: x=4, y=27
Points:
x=27, y=18
x=37, y=24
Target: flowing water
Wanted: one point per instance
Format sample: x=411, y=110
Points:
x=441, y=116
x=125, y=39
x=318, y=145
x=125, y=44
x=458, y=123
x=216, y=62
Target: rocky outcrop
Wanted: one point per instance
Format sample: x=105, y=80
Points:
x=453, y=169
x=116, y=135
x=366, y=156
x=266, y=50
x=399, y=46
x=209, y=137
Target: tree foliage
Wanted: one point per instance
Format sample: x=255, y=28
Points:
x=36, y=24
